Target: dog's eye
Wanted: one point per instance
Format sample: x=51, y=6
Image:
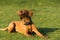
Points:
x=21, y=11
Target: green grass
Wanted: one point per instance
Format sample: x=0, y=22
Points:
x=46, y=18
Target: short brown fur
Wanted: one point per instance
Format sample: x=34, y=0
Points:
x=25, y=25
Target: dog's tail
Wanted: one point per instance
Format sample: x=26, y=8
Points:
x=3, y=29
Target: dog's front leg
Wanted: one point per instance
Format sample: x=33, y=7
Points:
x=34, y=29
x=26, y=34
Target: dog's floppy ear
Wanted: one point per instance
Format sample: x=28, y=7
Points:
x=30, y=13
x=20, y=12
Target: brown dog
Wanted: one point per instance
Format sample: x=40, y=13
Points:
x=25, y=26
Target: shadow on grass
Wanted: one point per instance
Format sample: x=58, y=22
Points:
x=47, y=30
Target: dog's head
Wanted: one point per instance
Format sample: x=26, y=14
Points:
x=25, y=13
x=26, y=16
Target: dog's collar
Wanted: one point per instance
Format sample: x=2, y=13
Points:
x=27, y=23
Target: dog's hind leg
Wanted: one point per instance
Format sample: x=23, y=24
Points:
x=9, y=28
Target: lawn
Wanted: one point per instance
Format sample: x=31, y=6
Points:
x=46, y=16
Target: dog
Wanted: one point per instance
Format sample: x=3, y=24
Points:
x=25, y=25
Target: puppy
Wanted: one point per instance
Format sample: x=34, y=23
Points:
x=25, y=25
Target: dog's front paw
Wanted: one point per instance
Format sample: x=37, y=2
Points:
x=45, y=37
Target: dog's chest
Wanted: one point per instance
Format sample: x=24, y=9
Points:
x=22, y=27
x=27, y=28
